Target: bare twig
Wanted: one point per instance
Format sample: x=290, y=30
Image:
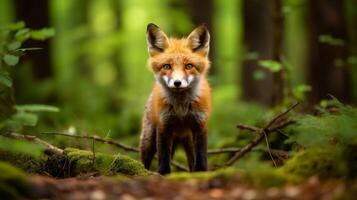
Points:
x=104, y=140
x=93, y=150
x=115, y=143
x=274, y=152
x=224, y=150
x=268, y=146
x=247, y=127
x=281, y=115
x=261, y=133
x=49, y=147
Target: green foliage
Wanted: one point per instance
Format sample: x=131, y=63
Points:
x=42, y=34
x=259, y=75
x=272, y=65
x=16, y=116
x=10, y=60
x=13, y=182
x=329, y=128
x=330, y=40
x=36, y=108
x=323, y=162
x=5, y=80
x=300, y=91
x=20, y=146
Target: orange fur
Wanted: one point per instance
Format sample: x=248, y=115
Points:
x=173, y=113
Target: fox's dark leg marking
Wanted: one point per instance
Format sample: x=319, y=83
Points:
x=188, y=146
x=164, y=145
x=148, y=146
x=200, y=134
x=174, y=146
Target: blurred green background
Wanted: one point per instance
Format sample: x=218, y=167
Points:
x=94, y=69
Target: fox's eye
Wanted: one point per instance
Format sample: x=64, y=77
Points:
x=188, y=66
x=166, y=66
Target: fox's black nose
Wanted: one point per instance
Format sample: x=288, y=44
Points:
x=177, y=83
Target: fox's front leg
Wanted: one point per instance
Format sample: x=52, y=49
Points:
x=200, y=148
x=164, y=145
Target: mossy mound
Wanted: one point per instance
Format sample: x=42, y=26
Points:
x=85, y=161
x=13, y=182
x=265, y=176
x=27, y=163
x=202, y=176
x=323, y=162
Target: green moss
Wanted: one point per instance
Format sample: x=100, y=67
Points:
x=263, y=176
x=13, y=182
x=267, y=176
x=27, y=163
x=324, y=162
x=85, y=161
x=203, y=176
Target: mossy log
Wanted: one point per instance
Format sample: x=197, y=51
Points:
x=83, y=161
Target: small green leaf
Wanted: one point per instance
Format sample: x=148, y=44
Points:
x=22, y=34
x=42, y=34
x=17, y=25
x=21, y=147
x=339, y=62
x=300, y=91
x=14, y=45
x=272, y=65
x=6, y=80
x=36, y=108
x=251, y=55
x=11, y=60
x=27, y=119
x=330, y=40
x=259, y=75
x=352, y=60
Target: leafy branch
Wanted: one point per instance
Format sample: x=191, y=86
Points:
x=272, y=126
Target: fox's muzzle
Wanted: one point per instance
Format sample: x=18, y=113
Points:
x=178, y=81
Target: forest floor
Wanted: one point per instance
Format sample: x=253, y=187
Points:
x=156, y=187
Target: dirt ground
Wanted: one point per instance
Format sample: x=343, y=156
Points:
x=100, y=187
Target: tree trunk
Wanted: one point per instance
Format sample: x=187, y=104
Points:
x=201, y=12
x=278, y=30
x=258, y=39
x=326, y=74
x=35, y=14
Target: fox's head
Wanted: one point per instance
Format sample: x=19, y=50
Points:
x=178, y=64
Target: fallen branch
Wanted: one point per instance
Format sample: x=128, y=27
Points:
x=99, y=139
x=49, y=147
x=114, y=143
x=261, y=133
x=275, y=152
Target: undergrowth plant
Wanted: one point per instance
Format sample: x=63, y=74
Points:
x=14, y=117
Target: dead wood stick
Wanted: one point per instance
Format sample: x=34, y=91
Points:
x=114, y=143
x=49, y=147
x=280, y=115
x=96, y=138
x=274, y=152
x=248, y=127
x=261, y=134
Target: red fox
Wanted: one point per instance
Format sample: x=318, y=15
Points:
x=179, y=106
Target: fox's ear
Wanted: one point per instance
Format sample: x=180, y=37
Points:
x=156, y=39
x=198, y=40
